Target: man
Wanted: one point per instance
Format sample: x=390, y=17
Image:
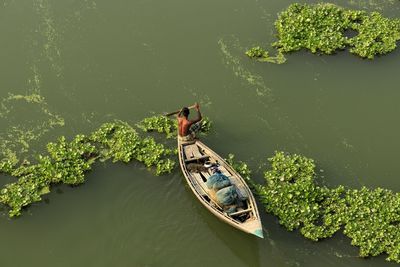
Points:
x=186, y=127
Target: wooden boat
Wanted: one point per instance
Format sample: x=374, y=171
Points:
x=246, y=217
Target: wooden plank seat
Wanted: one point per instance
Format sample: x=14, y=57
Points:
x=239, y=212
x=196, y=159
x=192, y=153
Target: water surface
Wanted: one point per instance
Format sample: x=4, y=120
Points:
x=94, y=61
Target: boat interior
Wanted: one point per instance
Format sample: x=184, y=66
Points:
x=195, y=158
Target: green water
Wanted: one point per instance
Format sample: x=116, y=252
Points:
x=94, y=61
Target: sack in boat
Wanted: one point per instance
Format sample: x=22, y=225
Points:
x=217, y=181
x=227, y=196
x=230, y=209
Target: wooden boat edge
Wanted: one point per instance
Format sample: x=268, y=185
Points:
x=254, y=224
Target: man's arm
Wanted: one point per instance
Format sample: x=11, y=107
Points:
x=199, y=117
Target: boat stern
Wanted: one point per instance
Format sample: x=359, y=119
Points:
x=259, y=233
x=253, y=227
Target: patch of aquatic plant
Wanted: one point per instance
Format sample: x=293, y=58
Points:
x=205, y=125
x=240, y=166
x=377, y=35
x=315, y=27
x=263, y=56
x=160, y=124
x=169, y=126
x=370, y=217
x=70, y=160
x=116, y=140
x=323, y=28
x=243, y=169
x=8, y=163
x=121, y=142
x=67, y=162
x=152, y=154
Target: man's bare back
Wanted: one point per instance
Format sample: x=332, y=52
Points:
x=184, y=123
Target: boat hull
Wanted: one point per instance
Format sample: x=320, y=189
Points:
x=247, y=219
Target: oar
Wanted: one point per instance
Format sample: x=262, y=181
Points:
x=176, y=112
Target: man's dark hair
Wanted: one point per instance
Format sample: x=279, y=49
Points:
x=185, y=112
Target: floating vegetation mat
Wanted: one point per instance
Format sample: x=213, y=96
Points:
x=326, y=28
x=67, y=161
x=369, y=217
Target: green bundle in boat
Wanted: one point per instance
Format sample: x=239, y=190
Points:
x=227, y=196
x=218, y=181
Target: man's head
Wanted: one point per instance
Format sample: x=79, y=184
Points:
x=185, y=112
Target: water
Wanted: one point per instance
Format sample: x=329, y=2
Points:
x=94, y=61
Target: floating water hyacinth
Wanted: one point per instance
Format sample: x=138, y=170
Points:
x=263, y=55
x=68, y=161
x=323, y=28
x=369, y=217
